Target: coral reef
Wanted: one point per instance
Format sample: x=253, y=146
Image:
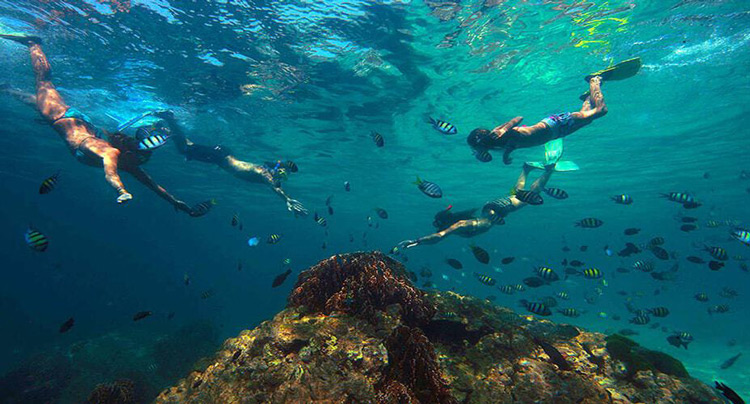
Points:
x=397, y=345
x=118, y=392
x=40, y=379
x=361, y=284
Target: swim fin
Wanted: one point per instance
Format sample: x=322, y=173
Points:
x=23, y=39
x=553, y=150
x=620, y=71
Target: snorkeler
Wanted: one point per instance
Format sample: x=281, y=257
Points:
x=223, y=157
x=509, y=136
x=493, y=212
x=82, y=138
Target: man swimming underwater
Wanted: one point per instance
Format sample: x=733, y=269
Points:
x=509, y=136
x=223, y=158
x=493, y=212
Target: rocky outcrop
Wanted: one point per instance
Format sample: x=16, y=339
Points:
x=357, y=331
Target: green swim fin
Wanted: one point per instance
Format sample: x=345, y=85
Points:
x=560, y=166
x=553, y=150
x=621, y=71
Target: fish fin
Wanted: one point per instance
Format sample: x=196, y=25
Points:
x=418, y=181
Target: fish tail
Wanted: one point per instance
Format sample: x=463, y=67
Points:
x=418, y=181
x=432, y=120
x=213, y=201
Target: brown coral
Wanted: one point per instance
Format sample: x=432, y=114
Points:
x=118, y=392
x=361, y=284
x=413, y=373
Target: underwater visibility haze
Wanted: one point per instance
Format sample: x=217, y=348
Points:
x=297, y=130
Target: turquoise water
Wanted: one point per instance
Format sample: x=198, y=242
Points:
x=309, y=81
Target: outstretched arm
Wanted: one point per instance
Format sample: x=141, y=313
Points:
x=462, y=227
x=177, y=131
x=143, y=177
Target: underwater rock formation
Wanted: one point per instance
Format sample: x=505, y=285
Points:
x=118, y=392
x=357, y=331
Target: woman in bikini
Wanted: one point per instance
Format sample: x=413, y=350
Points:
x=83, y=139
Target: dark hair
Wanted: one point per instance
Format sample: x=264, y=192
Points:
x=128, y=147
x=477, y=137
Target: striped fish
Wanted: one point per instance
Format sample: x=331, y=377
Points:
x=563, y=295
x=49, y=184
x=36, y=240
x=507, y=289
x=291, y=165
x=688, y=201
x=378, y=139
x=701, y=297
x=152, y=142
x=640, y=319
x=532, y=198
x=536, y=308
x=443, y=127
x=717, y=252
x=485, y=279
x=622, y=199
x=235, y=219
x=592, y=273
x=273, y=239
x=520, y=287
x=320, y=220
x=589, y=223
x=569, y=312
x=743, y=236
x=659, y=311
x=556, y=193
x=202, y=208
x=712, y=224
x=429, y=188
x=547, y=274
x=645, y=266
x=483, y=155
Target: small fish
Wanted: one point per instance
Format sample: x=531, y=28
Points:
x=279, y=279
x=643, y=266
x=235, y=219
x=719, y=308
x=253, y=241
x=696, y=260
x=680, y=340
x=730, y=362
x=622, y=199
x=207, y=294
x=330, y=210
x=632, y=231
x=688, y=201
x=549, y=301
x=152, y=142
x=689, y=219
x=656, y=241
x=454, y=263
x=381, y=213
x=701, y=297
x=67, y=325
x=536, y=308
x=324, y=246
x=566, y=249
x=429, y=188
x=347, y=186
x=608, y=251
x=286, y=261
x=659, y=311
x=556, y=193
x=712, y=224
x=548, y=274
x=273, y=239
x=378, y=139
x=583, y=248
x=570, y=312
x=320, y=220
x=533, y=282
x=443, y=127
x=186, y=279
x=507, y=260
x=480, y=254
x=717, y=252
x=202, y=208
x=563, y=295
x=36, y=240
x=659, y=252
x=687, y=228
x=520, y=287
x=141, y=315
x=589, y=223
x=592, y=273
x=576, y=263
x=554, y=355
x=483, y=155
x=49, y=184
x=715, y=265
x=425, y=272
x=291, y=165
x=507, y=289
x=640, y=319
x=485, y=279
x=532, y=198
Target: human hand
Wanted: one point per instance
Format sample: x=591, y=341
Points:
x=296, y=207
x=180, y=205
x=164, y=114
x=406, y=244
x=124, y=197
x=507, y=160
